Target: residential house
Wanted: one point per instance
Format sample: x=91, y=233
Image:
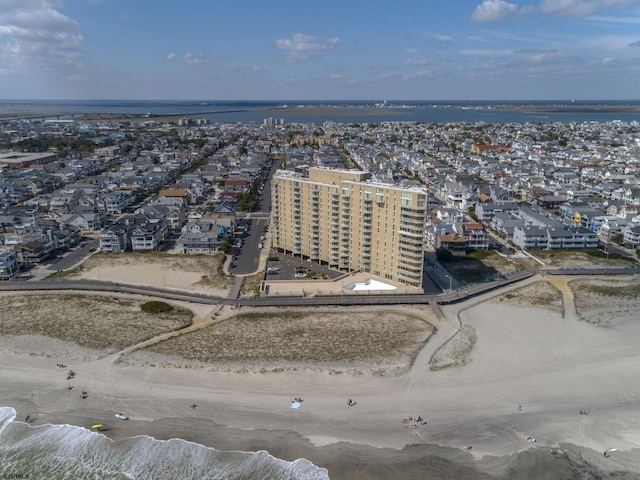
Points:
x=453, y=243
x=83, y=221
x=175, y=215
x=476, y=235
x=9, y=266
x=202, y=236
x=554, y=236
x=115, y=238
x=529, y=237
x=178, y=196
x=486, y=211
x=116, y=203
x=147, y=235
x=632, y=233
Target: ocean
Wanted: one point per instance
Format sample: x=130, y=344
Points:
x=65, y=452
x=318, y=112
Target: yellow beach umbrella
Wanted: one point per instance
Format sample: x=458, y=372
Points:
x=97, y=425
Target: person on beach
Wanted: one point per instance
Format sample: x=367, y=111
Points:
x=28, y=418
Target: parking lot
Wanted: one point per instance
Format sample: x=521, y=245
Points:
x=290, y=268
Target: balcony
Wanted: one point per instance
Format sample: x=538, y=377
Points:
x=410, y=276
x=412, y=240
x=411, y=255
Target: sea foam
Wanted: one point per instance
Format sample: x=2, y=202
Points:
x=59, y=452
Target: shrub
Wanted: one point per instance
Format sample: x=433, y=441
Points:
x=156, y=307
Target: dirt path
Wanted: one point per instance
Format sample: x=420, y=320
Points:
x=568, y=298
x=196, y=325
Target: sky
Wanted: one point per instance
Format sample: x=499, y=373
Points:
x=330, y=50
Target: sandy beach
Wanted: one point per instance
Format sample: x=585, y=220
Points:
x=532, y=361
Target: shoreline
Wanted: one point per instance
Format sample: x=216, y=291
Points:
x=337, y=108
x=547, y=361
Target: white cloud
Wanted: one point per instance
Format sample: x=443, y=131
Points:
x=620, y=20
x=171, y=56
x=34, y=34
x=443, y=38
x=496, y=10
x=415, y=75
x=196, y=58
x=302, y=47
x=609, y=42
x=583, y=8
x=416, y=61
x=484, y=53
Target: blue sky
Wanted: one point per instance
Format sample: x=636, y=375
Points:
x=329, y=50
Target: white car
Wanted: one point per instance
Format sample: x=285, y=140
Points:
x=122, y=416
x=300, y=274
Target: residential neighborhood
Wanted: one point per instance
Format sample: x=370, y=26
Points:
x=142, y=185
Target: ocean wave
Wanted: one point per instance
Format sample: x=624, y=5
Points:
x=59, y=452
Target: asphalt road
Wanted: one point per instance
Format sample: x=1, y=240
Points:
x=247, y=256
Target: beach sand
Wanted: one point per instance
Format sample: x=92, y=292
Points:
x=545, y=360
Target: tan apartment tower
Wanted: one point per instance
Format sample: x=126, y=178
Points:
x=342, y=219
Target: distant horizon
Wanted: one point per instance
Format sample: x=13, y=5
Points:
x=325, y=100
x=356, y=111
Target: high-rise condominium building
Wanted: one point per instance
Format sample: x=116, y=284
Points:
x=341, y=218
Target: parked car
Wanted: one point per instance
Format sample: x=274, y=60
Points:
x=300, y=274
